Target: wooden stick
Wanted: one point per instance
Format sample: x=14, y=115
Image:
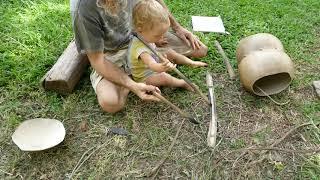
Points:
x=155, y=170
x=305, y=151
x=271, y=147
x=182, y=113
x=212, y=132
x=225, y=60
x=196, y=88
x=278, y=141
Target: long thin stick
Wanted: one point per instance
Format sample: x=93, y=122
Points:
x=271, y=147
x=278, y=141
x=196, y=88
x=288, y=133
x=286, y=150
x=155, y=170
x=77, y=167
x=182, y=113
x=6, y=173
x=225, y=60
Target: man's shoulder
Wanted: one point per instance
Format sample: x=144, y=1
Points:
x=85, y=6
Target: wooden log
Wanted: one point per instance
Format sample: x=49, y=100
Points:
x=66, y=72
x=316, y=85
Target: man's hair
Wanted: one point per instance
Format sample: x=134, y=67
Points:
x=148, y=13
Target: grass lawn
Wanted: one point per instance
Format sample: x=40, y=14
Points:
x=34, y=33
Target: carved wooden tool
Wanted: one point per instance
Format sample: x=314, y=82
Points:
x=225, y=60
x=212, y=132
x=196, y=88
x=182, y=113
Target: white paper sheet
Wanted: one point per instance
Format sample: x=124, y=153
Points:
x=208, y=24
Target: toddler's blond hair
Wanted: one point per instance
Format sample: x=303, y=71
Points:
x=148, y=13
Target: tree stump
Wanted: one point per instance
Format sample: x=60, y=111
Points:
x=66, y=72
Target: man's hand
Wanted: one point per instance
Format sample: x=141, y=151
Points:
x=144, y=91
x=188, y=37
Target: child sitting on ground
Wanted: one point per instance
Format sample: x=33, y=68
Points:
x=151, y=22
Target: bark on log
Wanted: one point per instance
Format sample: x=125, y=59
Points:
x=66, y=72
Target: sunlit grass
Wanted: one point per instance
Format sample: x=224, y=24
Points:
x=34, y=33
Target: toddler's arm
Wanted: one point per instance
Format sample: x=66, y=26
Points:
x=164, y=66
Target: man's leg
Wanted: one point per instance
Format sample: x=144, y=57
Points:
x=199, y=53
x=180, y=47
x=111, y=97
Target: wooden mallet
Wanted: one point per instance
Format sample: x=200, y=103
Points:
x=176, y=108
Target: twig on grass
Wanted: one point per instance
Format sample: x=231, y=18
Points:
x=307, y=151
x=153, y=173
x=79, y=164
x=6, y=173
x=235, y=162
x=240, y=113
x=74, y=169
x=18, y=42
x=205, y=150
x=288, y=133
x=10, y=174
x=145, y=152
x=271, y=147
x=275, y=143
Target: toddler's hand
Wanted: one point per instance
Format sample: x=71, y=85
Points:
x=166, y=65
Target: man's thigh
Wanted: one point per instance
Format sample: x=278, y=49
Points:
x=178, y=45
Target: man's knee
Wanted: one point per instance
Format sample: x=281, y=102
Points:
x=111, y=107
x=202, y=52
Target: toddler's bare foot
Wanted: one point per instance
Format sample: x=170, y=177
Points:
x=198, y=64
x=188, y=87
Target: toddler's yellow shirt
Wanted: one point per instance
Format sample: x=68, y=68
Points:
x=139, y=70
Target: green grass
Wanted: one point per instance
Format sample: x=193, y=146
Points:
x=33, y=34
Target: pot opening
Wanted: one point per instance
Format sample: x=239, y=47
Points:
x=271, y=84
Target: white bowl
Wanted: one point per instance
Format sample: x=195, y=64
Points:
x=38, y=134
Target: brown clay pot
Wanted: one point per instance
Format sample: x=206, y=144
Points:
x=257, y=42
x=266, y=72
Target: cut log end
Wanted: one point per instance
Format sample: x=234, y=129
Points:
x=66, y=72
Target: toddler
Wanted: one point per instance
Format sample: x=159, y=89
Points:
x=151, y=22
